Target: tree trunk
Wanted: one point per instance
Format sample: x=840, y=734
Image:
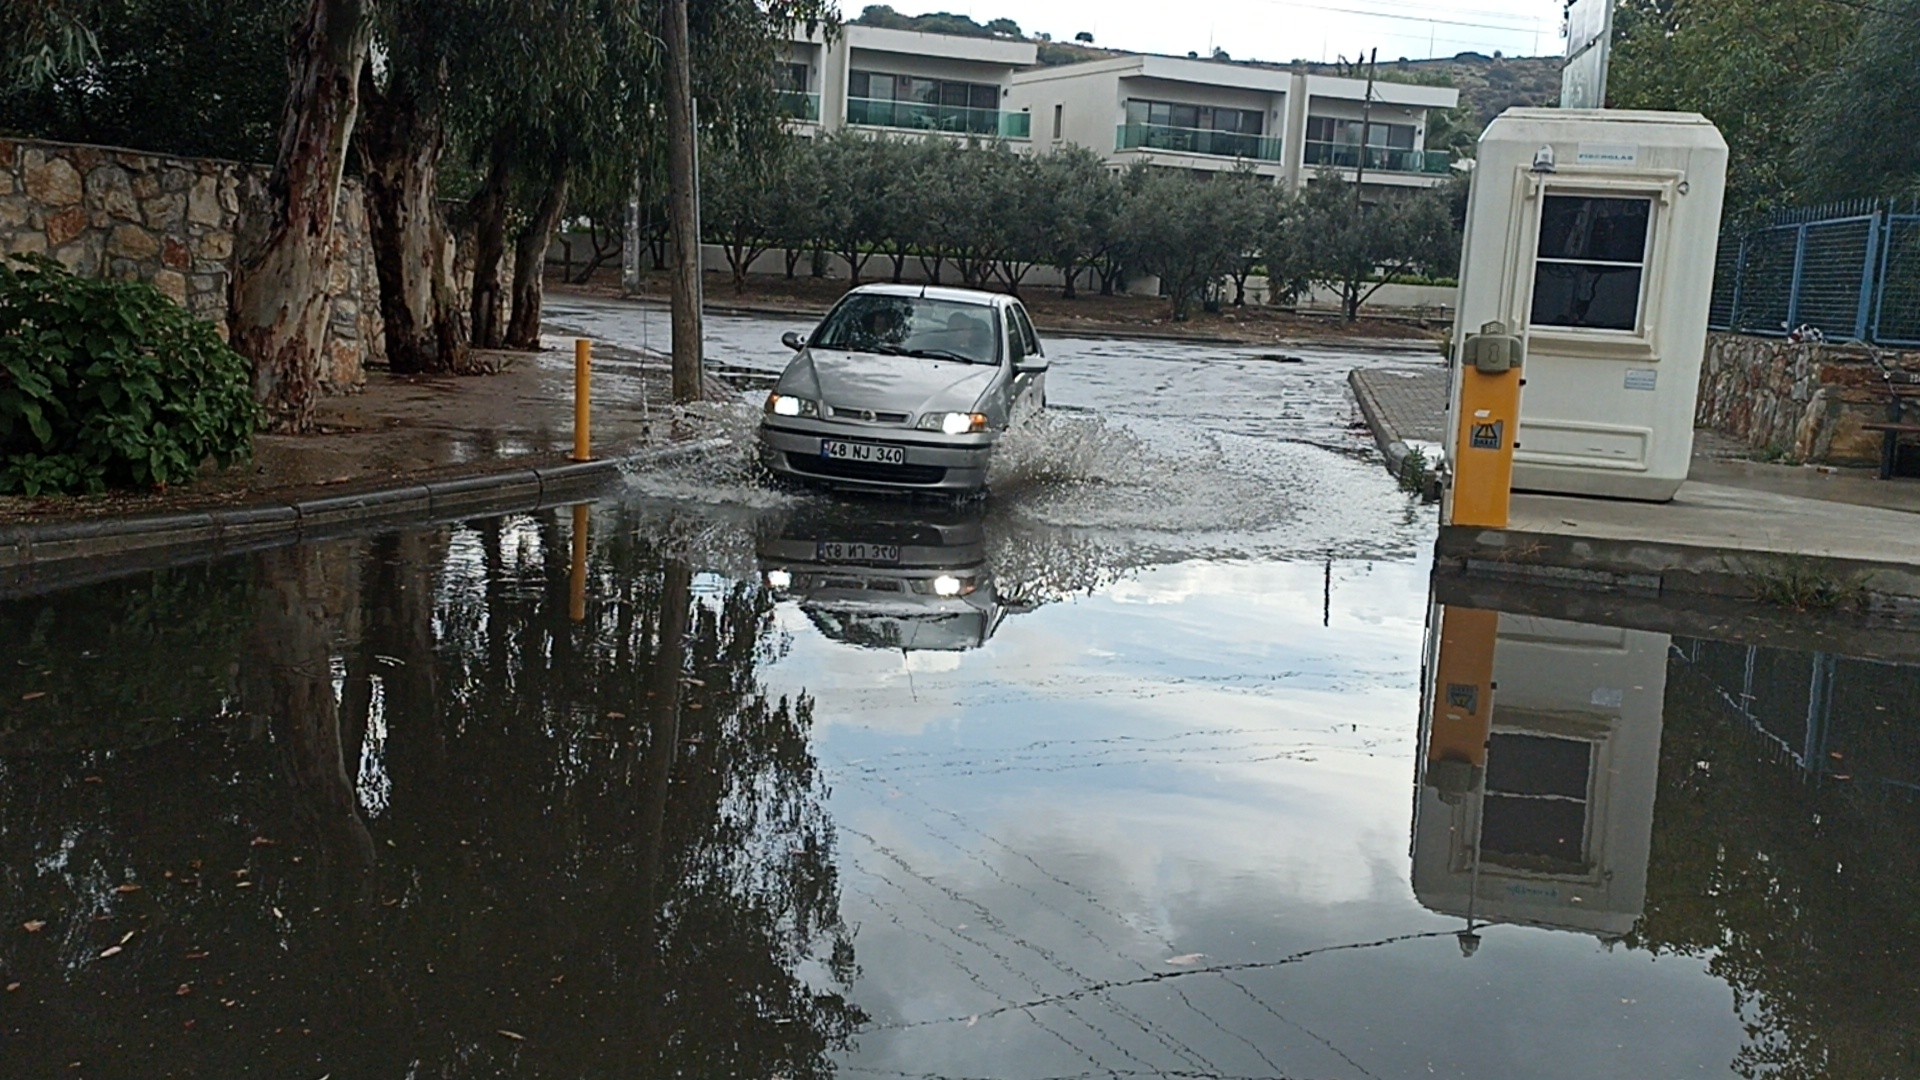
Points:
x=530, y=260
x=290, y=685
x=793, y=261
x=400, y=140
x=1070, y=272
x=489, y=210
x=683, y=207
x=280, y=304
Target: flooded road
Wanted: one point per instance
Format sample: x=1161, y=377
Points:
x=1162, y=762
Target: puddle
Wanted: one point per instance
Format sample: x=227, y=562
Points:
x=1160, y=761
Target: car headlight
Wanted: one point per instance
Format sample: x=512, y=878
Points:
x=779, y=579
x=954, y=423
x=788, y=405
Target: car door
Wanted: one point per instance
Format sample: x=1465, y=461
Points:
x=1028, y=392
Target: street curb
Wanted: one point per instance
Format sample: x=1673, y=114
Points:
x=1391, y=445
x=34, y=557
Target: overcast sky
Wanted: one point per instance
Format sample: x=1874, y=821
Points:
x=1277, y=30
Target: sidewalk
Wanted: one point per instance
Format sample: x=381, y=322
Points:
x=1735, y=529
x=424, y=448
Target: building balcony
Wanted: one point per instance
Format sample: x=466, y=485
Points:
x=947, y=119
x=1380, y=158
x=798, y=105
x=1181, y=140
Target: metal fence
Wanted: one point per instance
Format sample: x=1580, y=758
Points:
x=1850, y=271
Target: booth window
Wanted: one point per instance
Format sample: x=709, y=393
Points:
x=1534, y=813
x=1593, y=253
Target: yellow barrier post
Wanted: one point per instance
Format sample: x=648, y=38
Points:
x=1486, y=427
x=577, y=593
x=582, y=399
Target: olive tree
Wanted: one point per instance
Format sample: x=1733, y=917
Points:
x=1354, y=247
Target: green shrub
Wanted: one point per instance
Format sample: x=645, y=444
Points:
x=110, y=384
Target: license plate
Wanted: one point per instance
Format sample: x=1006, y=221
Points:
x=865, y=453
x=834, y=551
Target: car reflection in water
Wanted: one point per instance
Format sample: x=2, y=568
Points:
x=888, y=577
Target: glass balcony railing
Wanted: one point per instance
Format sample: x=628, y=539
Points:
x=952, y=119
x=1380, y=158
x=799, y=105
x=1196, y=141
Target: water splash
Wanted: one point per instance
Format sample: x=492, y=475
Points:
x=723, y=466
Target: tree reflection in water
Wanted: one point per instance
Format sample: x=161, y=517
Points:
x=413, y=821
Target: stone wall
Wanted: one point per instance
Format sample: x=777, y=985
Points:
x=176, y=223
x=1804, y=401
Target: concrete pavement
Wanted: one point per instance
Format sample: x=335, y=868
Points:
x=1736, y=528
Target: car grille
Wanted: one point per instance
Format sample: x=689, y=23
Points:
x=815, y=465
x=866, y=416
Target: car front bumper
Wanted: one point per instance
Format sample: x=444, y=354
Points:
x=791, y=448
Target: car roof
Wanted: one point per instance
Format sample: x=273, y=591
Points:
x=936, y=292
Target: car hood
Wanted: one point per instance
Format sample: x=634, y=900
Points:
x=910, y=384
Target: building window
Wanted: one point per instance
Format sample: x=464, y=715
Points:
x=792, y=78
x=1057, y=111
x=880, y=86
x=1328, y=129
x=1200, y=117
x=1590, y=261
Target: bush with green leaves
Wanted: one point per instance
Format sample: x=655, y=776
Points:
x=110, y=384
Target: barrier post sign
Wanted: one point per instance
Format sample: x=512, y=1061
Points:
x=1583, y=78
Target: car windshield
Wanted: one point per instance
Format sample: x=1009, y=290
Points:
x=911, y=326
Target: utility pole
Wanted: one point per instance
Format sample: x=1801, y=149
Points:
x=683, y=199
x=1366, y=123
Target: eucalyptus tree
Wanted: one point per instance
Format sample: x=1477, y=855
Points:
x=400, y=140
x=280, y=295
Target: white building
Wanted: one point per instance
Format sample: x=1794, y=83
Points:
x=879, y=80
x=1211, y=115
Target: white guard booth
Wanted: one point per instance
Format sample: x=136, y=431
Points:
x=1591, y=235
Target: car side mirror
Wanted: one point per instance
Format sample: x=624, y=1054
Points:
x=1030, y=365
x=792, y=340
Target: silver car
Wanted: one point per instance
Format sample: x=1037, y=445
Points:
x=904, y=387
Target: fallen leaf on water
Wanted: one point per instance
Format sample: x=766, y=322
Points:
x=276, y=913
x=35, y=696
x=123, y=890
x=261, y=841
x=244, y=885
x=128, y=936
x=185, y=989
x=92, y=780
x=195, y=956
x=1186, y=959
x=972, y=1020
x=515, y=1036
x=34, y=926
x=616, y=716
x=112, y=951
x=13, y=988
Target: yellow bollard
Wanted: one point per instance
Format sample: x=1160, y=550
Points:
x=577, y=592
x=1462, y=719
x=582, y=399
x=1485, y=430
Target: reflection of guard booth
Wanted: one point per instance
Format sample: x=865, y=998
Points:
x=1550, y=823
x=1591, y=237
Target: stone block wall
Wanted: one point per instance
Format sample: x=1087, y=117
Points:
x=176, y=223
x=1803, y=401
